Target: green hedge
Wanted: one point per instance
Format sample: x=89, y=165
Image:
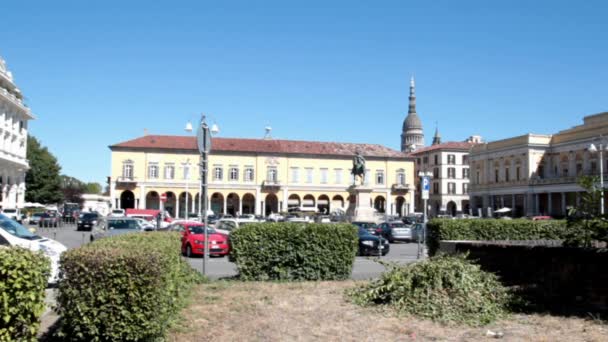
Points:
x=123, y=288
x=23, y=279
x=294, y=251
x=493, y=229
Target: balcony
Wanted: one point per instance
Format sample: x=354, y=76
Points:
x=126, y=181
x=399, y=187
x=271, y=184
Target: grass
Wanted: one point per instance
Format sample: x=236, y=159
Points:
x=319, y=311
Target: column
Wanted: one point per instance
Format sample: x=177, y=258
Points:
x=224, y=209
x=536, y=204
x=21, y=194
x=550, y=204
x=564, y=212
x=284, y=205
x=142, y=197
x=113, y=193
x=513, y=202
x=410, y=204
x=528, y=200
x=262, y=209
x=240, y=206
x=177, y=206
x=578, y=199
x=389, y=204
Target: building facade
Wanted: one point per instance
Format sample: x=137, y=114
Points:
x=257, y=176
x=536, y=174
x=14, y=117
x=448, y=163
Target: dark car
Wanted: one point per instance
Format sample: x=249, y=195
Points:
x=87, y=221
x=371, y=245
x=397, y=231
x=49, y=220
x=371, y=227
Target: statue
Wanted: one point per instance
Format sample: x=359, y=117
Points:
x=358, y=168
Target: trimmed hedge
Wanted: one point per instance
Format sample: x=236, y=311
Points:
x=23, y=279
x=493, y=229
x=123, y=288
x=294, y=251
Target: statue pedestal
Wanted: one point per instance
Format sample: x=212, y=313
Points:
x=361, y=209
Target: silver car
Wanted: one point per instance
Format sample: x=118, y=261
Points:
x=111, y=226
x=397, y=231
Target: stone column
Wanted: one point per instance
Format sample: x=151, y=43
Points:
x=284, y=203
x=113, y=193
x=263, y=209
x=410, y=204
x=536, y=204
x=550, y=203
x=256, y=209
x=142, y=197
x=388, y=204
x=564, y=204
x=177, y=196
x=225, y=208
x=513, y=202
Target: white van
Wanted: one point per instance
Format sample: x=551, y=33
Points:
x=117, y=213
x=13, y=213
x=14, y=234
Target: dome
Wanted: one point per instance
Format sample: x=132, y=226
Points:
x=412, y=121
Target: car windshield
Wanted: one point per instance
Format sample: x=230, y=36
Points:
x=200, y=230
x=123, y=224
x=37, y=214
x=366, y=225
x=363, y=231
x=16, y=229
x=89, y=216
x=10, y=211
x=116, y=211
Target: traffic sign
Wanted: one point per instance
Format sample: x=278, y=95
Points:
x=426, y=186
x=163, y=197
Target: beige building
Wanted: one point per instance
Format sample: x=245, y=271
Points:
x=536, y=174
x=258, y=176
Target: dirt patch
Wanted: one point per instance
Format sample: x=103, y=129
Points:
x=318, y=311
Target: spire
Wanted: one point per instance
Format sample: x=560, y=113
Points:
x=412, y=108
x=437, y=137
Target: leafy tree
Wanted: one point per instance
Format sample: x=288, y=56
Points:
x=585, y=219
x=42, y=179
x=72, y=189
x=92, y=188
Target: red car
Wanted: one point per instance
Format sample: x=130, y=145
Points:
x=193, y=239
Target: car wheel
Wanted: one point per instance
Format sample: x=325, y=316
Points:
x=188, y=251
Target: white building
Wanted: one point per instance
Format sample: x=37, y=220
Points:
x=448, y=162
x=14, y=117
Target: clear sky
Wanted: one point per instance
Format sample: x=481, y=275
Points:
x=98, y=74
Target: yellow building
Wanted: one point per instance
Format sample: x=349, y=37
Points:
x=257, y=176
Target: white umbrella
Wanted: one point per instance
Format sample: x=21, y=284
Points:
x=32, y=205
x=503, y=210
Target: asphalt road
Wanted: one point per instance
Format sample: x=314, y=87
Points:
x=220, y=267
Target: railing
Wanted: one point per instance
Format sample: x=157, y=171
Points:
x=402, y=187
x=271, y=183
x=126, y=180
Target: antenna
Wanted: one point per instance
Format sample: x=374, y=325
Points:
x=267, y=135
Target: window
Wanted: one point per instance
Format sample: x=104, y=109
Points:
x=400, y=177
x=465, y=159
x=218, y=173
x=248, y=174
x=379, y=177
x=153, y=171
x=564, y=171
x=451, y=172
x=477, y=178
x=436, y=159
x=451, y=159
x=465, y=173
x=465, y=188
x=309, y=175
x=507, y=175
x=295, y=175
x=541, y=171
x=418, y=161
x=272, y=174
x=186, y=171
x=127, y=170
x=451, y=188
x=436, y=188
x=338, y=176
x=436, y=172
x=579, y=169
x=496, y=176
x=517, y=173
x=593, y=167
x=169, y=171
x=233, y=174
x=425, y=160
x=323, y=176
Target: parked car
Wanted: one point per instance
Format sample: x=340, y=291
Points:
x=14, y=234
x=396, y=231
x=117, y=213
x=193, y=239
x=49, y=219
x=371, y=227
x=13, y=214
x=371, y=245
x=145, y=224
x=35, y=218
x=87, y=221
x=225, y=226
x=111, y=226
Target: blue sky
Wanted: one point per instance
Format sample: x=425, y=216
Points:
x=98, y=74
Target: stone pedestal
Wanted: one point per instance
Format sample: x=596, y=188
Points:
x=360, y=209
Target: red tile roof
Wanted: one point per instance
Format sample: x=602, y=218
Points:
x=450, y=145
x=172, y=142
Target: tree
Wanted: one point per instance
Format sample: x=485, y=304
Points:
x=42, y=179
x=72, y=189
x=92, y=188
x=588, y=225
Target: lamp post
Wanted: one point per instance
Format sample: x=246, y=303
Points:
x=425, y=187
x=593, y=149
x=203, y=138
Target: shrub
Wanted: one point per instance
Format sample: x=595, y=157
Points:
x=23, y=279
x=442, y=288
x=126, y=288
x=294, y=251
x=492, y=229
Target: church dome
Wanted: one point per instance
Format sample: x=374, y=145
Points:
x=412, y=121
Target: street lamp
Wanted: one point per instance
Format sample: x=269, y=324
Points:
x=203, y=138
x=592, y=148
